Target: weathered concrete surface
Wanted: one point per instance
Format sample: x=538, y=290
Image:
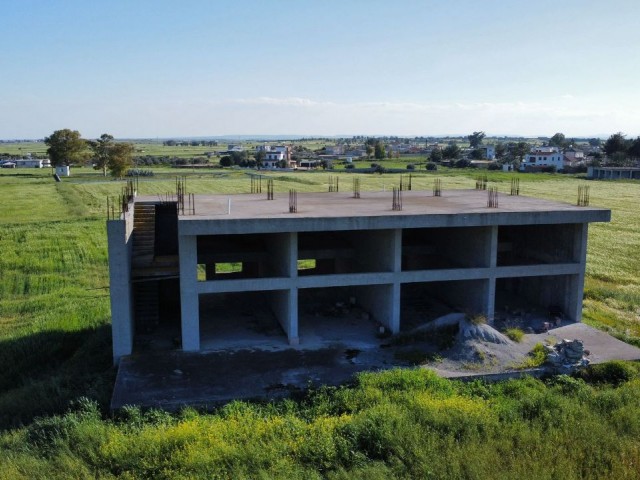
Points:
x=252, y=213
x=171, y=380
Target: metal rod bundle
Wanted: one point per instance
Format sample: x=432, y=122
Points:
x=356, y=188
x=256, y=184
x=583, y=196
x=270, y=189
x=333, y=184
x=437, y=187
x=515, y=186
x=293, y=201
x=492, y=197
x=481, y=182
x=397, y=199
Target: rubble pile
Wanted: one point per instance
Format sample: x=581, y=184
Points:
x=567, y=356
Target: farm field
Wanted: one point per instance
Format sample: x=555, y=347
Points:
x=55, y=348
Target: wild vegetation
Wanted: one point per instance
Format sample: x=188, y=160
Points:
x=55, y=349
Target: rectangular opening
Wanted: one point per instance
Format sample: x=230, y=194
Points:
x=536, y=244
x=445, y=248
x=335, y=315
x=307, y=266
x=340, y=252
x=243, y=256
x=423, y=302
x=534, y=300
x=239, y=320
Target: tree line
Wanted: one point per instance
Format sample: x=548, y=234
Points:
x=67, y=147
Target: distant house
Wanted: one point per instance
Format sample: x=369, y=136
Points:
x=275, y=154
x=489, y=152
x=272, y=159
x=234, y=148
x=28, y=163
x=541, y=157
x=334, y=150
x=573, y=157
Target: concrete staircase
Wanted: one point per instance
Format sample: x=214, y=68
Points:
x=147, y=314
x=148, y=269
x=144, y=234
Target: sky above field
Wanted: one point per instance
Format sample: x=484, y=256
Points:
x=350, y=67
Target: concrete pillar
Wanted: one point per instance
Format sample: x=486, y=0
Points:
x=283, y=251
x=190, y=309
x=120, y=243
x=493, y=246
x=383, y=302
x=284, y=304
x=490, y=310
x=576, y=285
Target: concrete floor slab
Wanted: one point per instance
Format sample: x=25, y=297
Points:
x=173, y=379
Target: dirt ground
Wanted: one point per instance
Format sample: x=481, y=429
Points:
x=337, y=347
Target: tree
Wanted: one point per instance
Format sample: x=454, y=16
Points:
x=259, y=156
x=595, y=142
x=379, y=152
x=616, y=143
x=475, y=139
x=65, y=147
x=634, y=149
x=501, y=150
x=436, y=155
x=558, y=140
x=369, y=151
x=451, y=152
x=226, y=161
x=101, y=149
x=477, y=154
x=120, y=158
x=520, y=149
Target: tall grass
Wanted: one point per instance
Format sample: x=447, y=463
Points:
x=395, y=424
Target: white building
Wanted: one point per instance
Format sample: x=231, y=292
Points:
x=541, y=157
x=271, y=159
x=28, y=163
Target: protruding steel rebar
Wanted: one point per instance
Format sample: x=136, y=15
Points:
x=481, y=182
x=397, y=199
x=356, y=188
x=270, y=189
x=293, y=201
x=515, y=186
x=492, y=197
x=583, y=195
x=437, y=187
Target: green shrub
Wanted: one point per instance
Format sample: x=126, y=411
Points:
x=614, y=372
x=514, y=334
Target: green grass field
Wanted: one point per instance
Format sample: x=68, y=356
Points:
x=55, y=347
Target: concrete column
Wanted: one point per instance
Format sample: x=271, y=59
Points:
x=120, y=243
x=284, y=304
x=283, y=253
x=576, y=284
x=284, y=263
x=490, y=308
x=383, y=302
x=493, y=246
x=190, y=309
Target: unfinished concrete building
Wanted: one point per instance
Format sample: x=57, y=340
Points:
x=199, y=280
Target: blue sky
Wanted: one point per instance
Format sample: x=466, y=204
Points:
x=197, y=68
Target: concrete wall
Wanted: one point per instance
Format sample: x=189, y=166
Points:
x=120, y=247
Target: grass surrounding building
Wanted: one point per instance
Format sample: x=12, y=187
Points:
x=55, y=348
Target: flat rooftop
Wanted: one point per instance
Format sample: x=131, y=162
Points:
x=374, y=210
